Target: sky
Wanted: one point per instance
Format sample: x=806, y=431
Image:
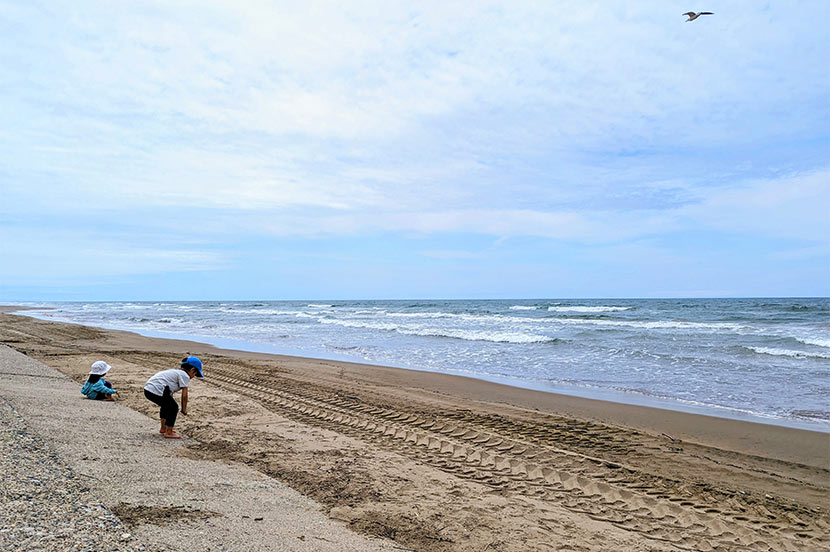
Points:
x=358, y=150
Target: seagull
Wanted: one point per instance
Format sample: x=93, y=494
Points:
x=693, y=15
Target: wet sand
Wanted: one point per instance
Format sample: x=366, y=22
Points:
x=438, y=462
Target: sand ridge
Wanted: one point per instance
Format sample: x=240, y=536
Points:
x=435, y=470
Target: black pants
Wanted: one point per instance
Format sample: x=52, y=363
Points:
x=169, y=408
x=103, y=396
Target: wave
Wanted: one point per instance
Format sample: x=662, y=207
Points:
x=814, y=341
x=822, y=415
x=119, y=306
x=656, y=325
x=522, y=307
x=276, y=312
x=482, y=335
x=258, y=312
x=319, y=306
x=430, y=315
x=671, y=398
x=786, y=352
x=467, y=335
x=501, y=319
x=587, y=309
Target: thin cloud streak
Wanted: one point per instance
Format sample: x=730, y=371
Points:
x=574, y=123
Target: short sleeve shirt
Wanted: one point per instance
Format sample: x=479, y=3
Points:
x=174, y=378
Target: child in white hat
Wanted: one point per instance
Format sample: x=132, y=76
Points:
x=96, y=387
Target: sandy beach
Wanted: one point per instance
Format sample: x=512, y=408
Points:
x=434, y=462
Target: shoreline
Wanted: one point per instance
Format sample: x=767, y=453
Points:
x=797, y=444
x=445, y=463
x=52, y=499
x=617, y=397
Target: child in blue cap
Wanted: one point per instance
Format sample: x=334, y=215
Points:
x=161, y=387
x=96, y=387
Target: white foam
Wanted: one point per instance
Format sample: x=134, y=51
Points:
x=655, y=325
x=319, y=306
x=356, y=324
x=480, y=335
x=787, y=352
x=523, y=307
x=275, y=312
x=587, y=309
x=424, y=315
x=258, y=311
x=468, y=335
x=814, y=341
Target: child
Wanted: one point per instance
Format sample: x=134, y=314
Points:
x=160, y=389
x=96, y=387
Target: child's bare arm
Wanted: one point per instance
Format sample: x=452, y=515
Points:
x=184, y=401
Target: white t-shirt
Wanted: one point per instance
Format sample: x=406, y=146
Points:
x=174, y=378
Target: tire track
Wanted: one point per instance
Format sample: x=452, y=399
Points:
x=518, y=457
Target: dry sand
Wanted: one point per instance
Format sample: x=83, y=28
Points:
x=440, y=463
x=81, y=475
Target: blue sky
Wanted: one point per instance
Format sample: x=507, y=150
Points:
x=267, y=150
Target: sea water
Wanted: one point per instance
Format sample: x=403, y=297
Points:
x=761, y=359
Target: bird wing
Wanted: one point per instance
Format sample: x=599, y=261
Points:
x=689, y=13
x=706, y=13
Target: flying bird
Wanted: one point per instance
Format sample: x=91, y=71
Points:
x=693, y=15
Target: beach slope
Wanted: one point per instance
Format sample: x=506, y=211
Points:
x=440, y=463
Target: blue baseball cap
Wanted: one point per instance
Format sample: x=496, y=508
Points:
x=193, y=362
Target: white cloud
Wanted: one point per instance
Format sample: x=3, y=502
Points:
x=790, y=206
x=592, y=123
x=450, y=254
x=366, y=90
x=594, y=227
x=33, y=257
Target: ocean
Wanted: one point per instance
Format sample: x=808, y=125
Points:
x=764, y=360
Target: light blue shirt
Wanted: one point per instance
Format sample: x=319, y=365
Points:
x=91, y=390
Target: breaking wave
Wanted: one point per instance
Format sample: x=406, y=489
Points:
x=814, y=341
x=587, y=309
x=786, y=352
x=465, y=334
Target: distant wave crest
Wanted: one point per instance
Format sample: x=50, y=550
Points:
x=814, y=341
x=467, y=335
x=652, y=325
x=787, y=352
x=823, y=415
x=578, y=308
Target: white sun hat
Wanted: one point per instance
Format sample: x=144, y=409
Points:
x=99, y=368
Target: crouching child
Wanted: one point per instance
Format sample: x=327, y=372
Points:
x=96, y=387
x=162, y=386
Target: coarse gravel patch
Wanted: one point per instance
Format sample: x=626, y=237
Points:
x=96, y=475
x=45, y=504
